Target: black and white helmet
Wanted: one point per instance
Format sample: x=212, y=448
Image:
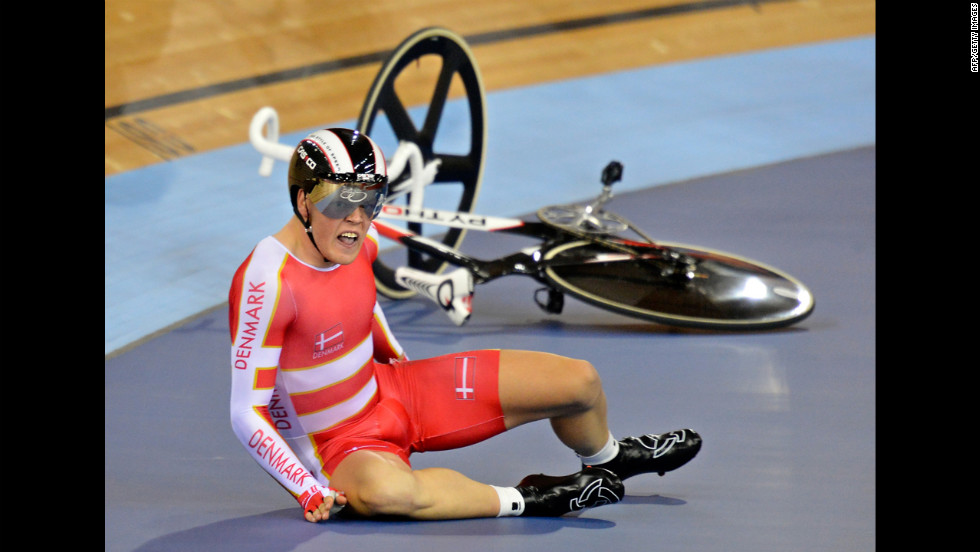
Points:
x=340, y=170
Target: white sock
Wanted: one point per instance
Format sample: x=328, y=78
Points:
x=511, y=501
x=608, y=452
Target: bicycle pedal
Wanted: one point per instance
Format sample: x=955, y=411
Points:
x=555, y=302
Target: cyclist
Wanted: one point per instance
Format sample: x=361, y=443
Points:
x=326, y=400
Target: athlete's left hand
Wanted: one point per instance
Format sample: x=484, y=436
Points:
x=321, y=503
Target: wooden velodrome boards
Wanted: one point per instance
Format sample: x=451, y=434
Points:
x=186, y=76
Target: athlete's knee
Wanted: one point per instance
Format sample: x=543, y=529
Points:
x=396, y=496
x=581, y=383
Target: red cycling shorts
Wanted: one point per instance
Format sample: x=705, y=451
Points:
x=438, y=403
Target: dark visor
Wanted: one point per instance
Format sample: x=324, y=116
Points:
x=342, y=193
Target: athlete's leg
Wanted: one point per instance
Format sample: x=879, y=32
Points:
x=569, y=393
x=566, y=391
x=381, y=483
x=531, y=386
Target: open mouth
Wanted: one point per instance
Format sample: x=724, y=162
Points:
x=348, y=238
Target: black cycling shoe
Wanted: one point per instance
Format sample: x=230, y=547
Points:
x=552, y=496
x=654, y=453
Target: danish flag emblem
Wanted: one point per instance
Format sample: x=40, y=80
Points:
x=465, y=378
x=329, y=339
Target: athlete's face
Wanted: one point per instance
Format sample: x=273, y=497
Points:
x=339, y=240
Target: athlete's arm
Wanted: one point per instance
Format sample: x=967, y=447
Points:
x=254, y=363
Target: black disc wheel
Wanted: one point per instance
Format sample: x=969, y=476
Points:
x=708, y=290
x=429, y=92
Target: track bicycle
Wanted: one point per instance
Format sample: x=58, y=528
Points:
x=580, y=249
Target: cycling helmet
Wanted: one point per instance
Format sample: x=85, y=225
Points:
x=340, y=170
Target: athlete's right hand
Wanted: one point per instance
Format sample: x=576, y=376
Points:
x=318, y=503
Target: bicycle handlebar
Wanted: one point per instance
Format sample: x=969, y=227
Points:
x=268, y=143
x=263, y=133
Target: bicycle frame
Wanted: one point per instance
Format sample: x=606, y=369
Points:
x=577, y=254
